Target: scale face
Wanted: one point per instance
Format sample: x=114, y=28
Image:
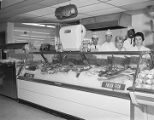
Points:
x=71, y=37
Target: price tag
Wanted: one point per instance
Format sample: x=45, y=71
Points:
x=28, y=75
x=109, y=85
x=114, y=86
x=119, y=86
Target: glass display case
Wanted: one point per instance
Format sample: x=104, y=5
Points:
x=112, y=72
x=142, y=91
x=145, y=74
x=8, y=66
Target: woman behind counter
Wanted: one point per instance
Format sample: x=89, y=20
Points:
x=139, y=39
x=119, y=41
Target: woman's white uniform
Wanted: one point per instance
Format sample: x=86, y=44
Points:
x=107, y=46
x=127, y=44
x=141, y=48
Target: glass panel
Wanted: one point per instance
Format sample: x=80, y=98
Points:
x=113, y=71
x=145, y=77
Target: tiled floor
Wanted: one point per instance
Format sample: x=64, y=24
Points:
x=12, y=110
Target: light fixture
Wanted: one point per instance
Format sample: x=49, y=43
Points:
x=65, y=12
x=39, y=25
x=37, y=32
x=50, y=26
x=34, y=24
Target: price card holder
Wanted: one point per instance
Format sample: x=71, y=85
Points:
x=113, y=86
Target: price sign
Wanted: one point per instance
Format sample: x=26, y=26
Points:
x=119, y=86
x=28, y=75
x=108, y=85
x=114, y=86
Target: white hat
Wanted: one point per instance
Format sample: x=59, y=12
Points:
x=130, y=27
x=108, y=32
x=94, y=36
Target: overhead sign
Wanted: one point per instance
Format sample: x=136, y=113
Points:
x=65, y=12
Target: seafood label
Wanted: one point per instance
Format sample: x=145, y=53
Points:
x=114, y=86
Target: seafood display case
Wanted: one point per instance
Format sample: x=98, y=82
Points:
x=96, y=82
x=95, y=85
x=8, y=65
x=142, y=91
x=108, y=71
x=143, y=87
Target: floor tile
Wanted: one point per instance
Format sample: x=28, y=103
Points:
x=12, y=110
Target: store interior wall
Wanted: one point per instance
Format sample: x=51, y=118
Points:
x=141, y=23
x=101, y=34
x=8, y=29
x=2, y=27
x=10, y=34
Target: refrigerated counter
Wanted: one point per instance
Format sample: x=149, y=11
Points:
x=8, y=85
x=92, y=88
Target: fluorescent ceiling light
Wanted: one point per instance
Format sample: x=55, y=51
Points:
x=18, y=30
x=50, y=26
x=38, y=39
x=29, y=38
x=39, y=32
x=44, y=37
x=20, y=40
x=24, y=35
x=34, y=24
x=39, y=25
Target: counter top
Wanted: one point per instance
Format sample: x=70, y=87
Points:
x=144, y=90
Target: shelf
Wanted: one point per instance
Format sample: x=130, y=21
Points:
x=13, y=46
x=143, y=90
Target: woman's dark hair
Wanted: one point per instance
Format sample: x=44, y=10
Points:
x=140, y=34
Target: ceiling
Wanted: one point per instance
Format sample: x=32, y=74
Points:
x=43, y=11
